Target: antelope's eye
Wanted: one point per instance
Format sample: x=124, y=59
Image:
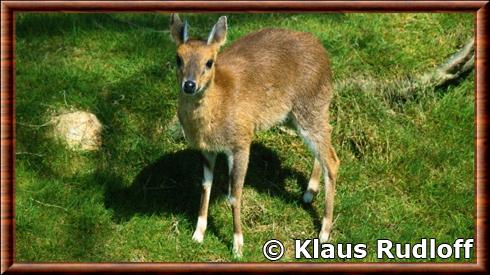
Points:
x=209, y=64
x=179, y=61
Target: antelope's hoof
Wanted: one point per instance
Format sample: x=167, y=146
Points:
x=198, y=236
x=324, y=237
x=237, y=252
x=237, y=245
x=308, y=196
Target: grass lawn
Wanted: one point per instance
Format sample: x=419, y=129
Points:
x=406, y=173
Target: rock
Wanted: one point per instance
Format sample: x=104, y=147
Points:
x=80, y=130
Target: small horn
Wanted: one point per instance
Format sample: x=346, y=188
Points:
x=185, y=32
x=211, y=35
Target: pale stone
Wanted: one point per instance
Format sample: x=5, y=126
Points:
x=80, y=130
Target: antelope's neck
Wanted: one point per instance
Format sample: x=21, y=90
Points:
x=199, y=119
x=200, y=105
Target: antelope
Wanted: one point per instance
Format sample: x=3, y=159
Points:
x=260, y=80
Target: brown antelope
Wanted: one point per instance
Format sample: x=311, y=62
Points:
x=260, y=80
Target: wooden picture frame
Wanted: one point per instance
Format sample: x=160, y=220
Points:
x=10, y=8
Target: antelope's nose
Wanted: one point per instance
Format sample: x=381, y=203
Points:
x=189, y=87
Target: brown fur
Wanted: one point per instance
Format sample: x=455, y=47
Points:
x=258, y=81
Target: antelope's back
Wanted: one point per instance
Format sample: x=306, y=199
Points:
x=277, y=61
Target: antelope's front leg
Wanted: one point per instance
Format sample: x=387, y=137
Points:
x=207, y=181
x=238, y=172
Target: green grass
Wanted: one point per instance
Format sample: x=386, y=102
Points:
x=405, y=174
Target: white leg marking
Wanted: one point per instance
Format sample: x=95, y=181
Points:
x=324, y=236
x=325, y=232
x=311, y=190
x=208, y=177
x=230, y=162
x=200, y=229
x=231, y=200
x=207, y=182
x=237, y=244
x=229, y=156
x=306, y=138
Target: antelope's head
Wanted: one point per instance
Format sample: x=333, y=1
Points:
x=196, y=59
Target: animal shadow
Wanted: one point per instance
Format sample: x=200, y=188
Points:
x=172, y=185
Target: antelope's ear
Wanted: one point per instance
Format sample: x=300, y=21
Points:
x=179, y=31
x=218, y=33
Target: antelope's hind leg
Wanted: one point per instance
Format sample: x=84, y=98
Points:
x=209, y=160
x=330, y=169
x=316, y=134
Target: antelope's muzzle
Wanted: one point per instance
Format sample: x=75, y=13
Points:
x=189, y=87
